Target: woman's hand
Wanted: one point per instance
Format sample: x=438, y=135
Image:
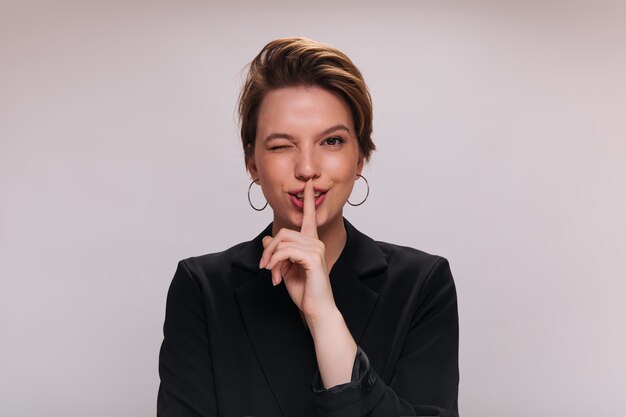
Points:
x=299, y=259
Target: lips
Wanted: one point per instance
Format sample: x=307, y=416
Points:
x=297, y=197
x=300, y=196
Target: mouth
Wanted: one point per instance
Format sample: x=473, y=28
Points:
x=300, y=196
x=297, y=198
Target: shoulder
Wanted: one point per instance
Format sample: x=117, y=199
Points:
x=417, y=266
x=404, y=265
x=409, y=257
x=211, y=268
x=215, y=259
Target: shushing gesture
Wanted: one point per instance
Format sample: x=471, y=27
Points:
x=299, y=259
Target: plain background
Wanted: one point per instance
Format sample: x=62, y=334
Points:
x=119, y=155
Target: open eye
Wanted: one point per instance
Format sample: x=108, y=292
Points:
x=333, y=140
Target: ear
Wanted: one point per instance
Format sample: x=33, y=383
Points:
x=251, y=163
x=360, y=164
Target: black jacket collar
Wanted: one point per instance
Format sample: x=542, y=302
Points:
x=361, y=254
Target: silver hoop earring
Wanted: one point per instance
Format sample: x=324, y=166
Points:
x=250, y=200
x=366, y=194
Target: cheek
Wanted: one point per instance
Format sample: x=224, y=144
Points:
x=273, y=171
x=342, y=169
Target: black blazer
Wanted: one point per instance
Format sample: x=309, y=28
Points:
x=235, y=346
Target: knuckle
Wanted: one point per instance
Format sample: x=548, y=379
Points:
x=282, y=234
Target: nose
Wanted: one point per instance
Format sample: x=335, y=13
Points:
x=307, y=164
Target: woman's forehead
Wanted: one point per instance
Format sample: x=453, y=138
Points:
x=306, y=109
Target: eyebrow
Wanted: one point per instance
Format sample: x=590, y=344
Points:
x=272, y=136
x=335, y=128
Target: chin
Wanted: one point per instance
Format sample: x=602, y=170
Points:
x=323, y=219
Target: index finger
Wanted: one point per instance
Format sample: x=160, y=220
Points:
x=309, y=222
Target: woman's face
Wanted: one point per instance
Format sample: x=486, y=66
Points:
x=305, y=132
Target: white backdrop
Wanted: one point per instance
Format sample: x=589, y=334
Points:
x=119, y=155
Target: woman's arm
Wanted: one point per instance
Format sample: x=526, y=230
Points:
x=425, y=381
x=335, y=349
x=187, y=386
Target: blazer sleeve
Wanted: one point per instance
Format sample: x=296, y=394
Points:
x=425, y=381
x=187, y=386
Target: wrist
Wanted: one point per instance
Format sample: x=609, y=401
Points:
x=335, y=348
x=323, y=317
x=327, y=325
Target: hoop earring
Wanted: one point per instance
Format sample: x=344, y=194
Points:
x=366, y=194
x=250, y=200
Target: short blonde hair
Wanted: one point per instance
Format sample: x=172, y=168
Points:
x=290, y=62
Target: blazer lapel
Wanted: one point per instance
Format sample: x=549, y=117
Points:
x=273, y=322
x=282, y=343
x=360, y=262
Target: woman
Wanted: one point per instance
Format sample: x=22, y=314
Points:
x=311, y=317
